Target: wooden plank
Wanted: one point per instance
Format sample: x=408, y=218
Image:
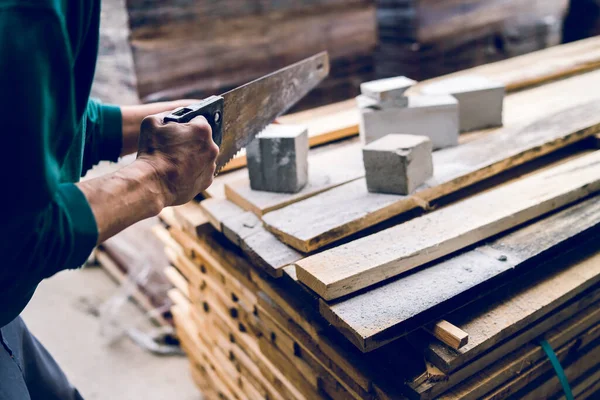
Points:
x=268, y=253
x=380, y=315
x=191, y=218
x=569, y=336
x=518, y=73
x=494, y=349
x=493, y=322
x=175, y=277
x=340, y=120
x=574, y=364
x=370, y=260
x=442, y=19
x=217, y=210
x=326, y=170
x=529, y=133
x=449, y=334
x=325, y=124
x=245, y=230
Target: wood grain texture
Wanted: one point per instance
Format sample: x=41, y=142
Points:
x=531, y=384
x=569, y=336
x=268, y=253
x=530, y=321
x=218, y=210
x=449, y=334
x=193, y=48
x=378, y=316
x=326, y=170
x=537, y=122
x=438, y=19
x=340, y=120
x=191, y=218
x=375, y=258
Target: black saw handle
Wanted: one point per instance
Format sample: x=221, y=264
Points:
x=210, y=108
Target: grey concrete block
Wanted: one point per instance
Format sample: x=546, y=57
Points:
x=433, y=116
x=278, y=159
x=388, y=92
x=364, y=101
x=480, y=100
x=398, y=164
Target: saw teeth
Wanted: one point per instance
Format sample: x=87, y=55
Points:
x=218, y=170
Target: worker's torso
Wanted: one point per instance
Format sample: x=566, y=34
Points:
x=80, y=20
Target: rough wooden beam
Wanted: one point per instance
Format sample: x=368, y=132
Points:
x=378, y=316
x=449, y=334
x=364, y=262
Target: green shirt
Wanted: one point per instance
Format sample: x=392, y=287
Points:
x=51, y=135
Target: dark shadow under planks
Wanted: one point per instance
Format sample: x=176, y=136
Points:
x=384, y=313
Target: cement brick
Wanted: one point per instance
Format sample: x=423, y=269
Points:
x=398, y=164
x=278, y=159
x=433, y=116
x=480, y=100
x=388, y=92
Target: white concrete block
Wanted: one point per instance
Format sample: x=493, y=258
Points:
x=397, y=163
x=480, y=100
x=433, y=116
x=388, y=92
x=278, y=159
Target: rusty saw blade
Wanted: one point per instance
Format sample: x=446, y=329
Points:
x=248, y=109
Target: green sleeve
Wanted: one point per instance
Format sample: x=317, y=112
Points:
x=104, y=134
x=46, y=225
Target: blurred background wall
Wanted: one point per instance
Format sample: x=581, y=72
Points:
x=170, y=49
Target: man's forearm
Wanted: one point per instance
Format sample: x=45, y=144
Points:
x=123, y=198
x=133, y=116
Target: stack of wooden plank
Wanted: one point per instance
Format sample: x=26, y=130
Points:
x=464, y=289
x=427, y=38
x=191, y=49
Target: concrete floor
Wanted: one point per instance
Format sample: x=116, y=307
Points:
x=61, y=316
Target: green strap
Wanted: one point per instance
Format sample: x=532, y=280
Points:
x=557, y=368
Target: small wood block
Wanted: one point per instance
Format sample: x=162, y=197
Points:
x=278, y=159
x=433, y=116
x=388, y=89
x=398, y=164
x=218, y=210
x=452, y=335
x=480, y=99
x=267, y=252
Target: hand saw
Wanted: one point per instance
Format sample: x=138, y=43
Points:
x=237, y=116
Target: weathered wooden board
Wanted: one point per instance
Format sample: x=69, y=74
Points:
x=492, y=322
x=541, y=381
x=382, y=314
x=191, y=218
x=325, y=171
x=439, y=19
x=185, y=49
x=449, y=334
x=531, y=69
x=375, y=258
x=340, y=120
x=218, y=210
x=493, y=349
x=245, y=230
x=537, y=122
x=575, y=333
